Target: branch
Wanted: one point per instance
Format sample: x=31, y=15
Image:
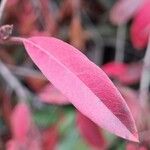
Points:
x=145, y=78
x=2, y=7
x=24, y=72
x=12, y=81
x=120, y=43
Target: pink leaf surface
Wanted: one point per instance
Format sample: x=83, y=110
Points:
x=140, y=28
x=50, y=94
x=86, y=86
x=131, y=98
x=90, y=131
x=11, y=145
x=123, y=10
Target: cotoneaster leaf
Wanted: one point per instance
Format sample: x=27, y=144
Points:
x=86, y=86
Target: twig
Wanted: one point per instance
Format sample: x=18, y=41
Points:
x=145, y=78
x=98, y=50
x=24, y=72
x=98, y=41
x=2, y=7
x=37, y=8
x=12, y=81
x=120, y=43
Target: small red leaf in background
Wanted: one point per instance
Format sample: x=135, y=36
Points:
x=83, y=83
x=114, y=69
x=140, y=28
x=35, y=83
x=20, y=121
x=126, y=73
x=132, y=146
x=49, y=138
x=50, y=94
x=90, y=131
x=132, y=74
x=24, y=133
x=123, y=10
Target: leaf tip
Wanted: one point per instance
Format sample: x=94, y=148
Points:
x=134, y=138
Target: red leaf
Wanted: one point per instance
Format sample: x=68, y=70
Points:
x=50, y=94
x=24, y=133
x=20, y=121
x=83, y=83
x=125, y=73
x=90, y=131
x=131, y=146
x=123, y=10
x=50, y=138
x=140, y=28
x=132, y=74
x=114, y=69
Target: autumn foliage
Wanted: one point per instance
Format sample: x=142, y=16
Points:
x=74, y=74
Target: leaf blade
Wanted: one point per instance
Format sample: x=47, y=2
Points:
x=77, y=77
